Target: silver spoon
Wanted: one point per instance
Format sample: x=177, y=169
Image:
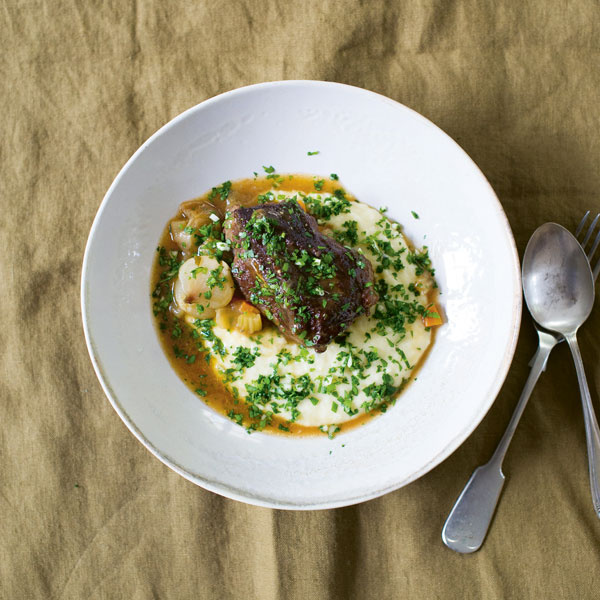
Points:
x=468, y=522
x=559, y=290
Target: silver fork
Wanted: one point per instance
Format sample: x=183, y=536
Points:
x=470, y=518
x=587, y=238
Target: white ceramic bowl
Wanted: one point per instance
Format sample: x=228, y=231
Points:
x=386, y=155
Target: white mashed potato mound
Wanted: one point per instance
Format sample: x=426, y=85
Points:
x=367, y=369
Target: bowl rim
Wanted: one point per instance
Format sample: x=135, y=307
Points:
x=242, y=495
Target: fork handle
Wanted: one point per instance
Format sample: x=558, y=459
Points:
x=592, y=433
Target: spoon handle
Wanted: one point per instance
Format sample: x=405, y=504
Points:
x=592, y=433
x=469, y=520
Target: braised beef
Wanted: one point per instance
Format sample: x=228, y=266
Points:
x=304, y=281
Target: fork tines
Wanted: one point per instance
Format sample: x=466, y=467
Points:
x=584, y=238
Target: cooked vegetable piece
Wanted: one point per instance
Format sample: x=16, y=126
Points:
x=249, y=323
x=203, y=285
x=246, y=307
x=432, y=316
x=224, y=317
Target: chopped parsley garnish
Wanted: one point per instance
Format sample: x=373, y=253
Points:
x=349, y=236
x=222, y=191
x=244, y=358
x=266, y=197
x=237, y=417
x=324, y=208
x=379, y=393
x=177, y=331
x=205, y=329
x=170, y=261
x=215, y=279
x=161, y=304
x=277, y=179
x=421, y=261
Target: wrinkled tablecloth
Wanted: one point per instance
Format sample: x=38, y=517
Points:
x=86, y=511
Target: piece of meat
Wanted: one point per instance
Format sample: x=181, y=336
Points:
x=307, y=283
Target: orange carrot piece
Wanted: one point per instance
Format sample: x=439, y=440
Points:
x=301, y=203
x=432, y=316
x=246, y=307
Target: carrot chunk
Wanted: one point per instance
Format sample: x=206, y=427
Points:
x=432, y=316
x=246, y=307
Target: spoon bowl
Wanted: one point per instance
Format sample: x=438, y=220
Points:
x=557, y=279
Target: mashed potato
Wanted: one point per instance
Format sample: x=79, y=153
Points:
x=358, y=373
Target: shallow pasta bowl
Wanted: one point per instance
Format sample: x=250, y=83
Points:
x=385, y=155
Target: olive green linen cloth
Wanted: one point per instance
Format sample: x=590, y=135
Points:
x=85, y=510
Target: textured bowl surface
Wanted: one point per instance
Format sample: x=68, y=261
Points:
x=386, y=155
